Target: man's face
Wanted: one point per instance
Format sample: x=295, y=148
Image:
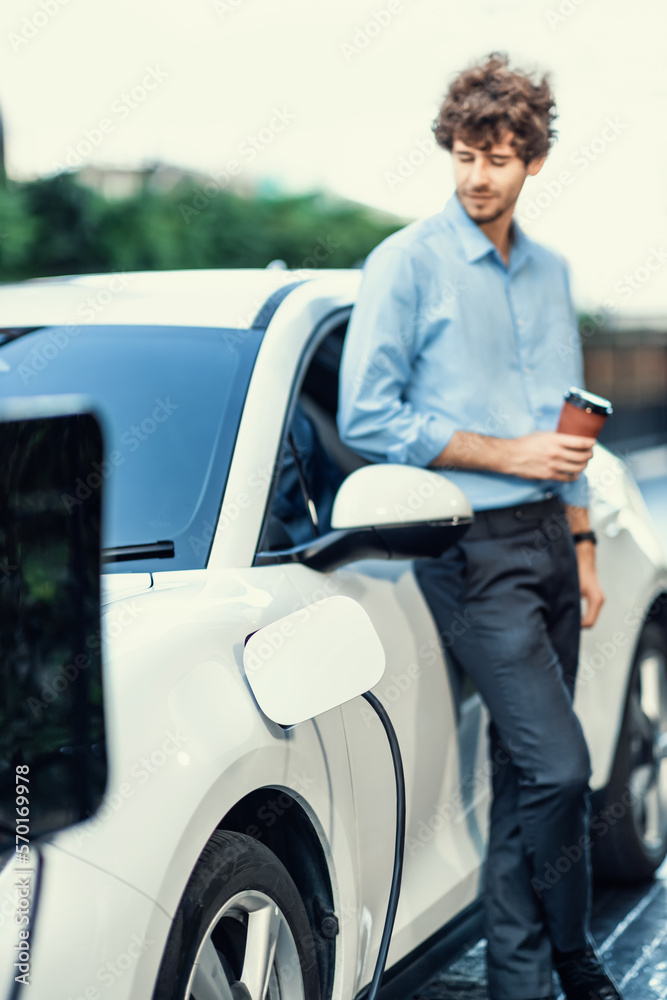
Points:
x=488, y=183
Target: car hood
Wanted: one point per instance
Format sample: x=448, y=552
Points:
x=118, y=586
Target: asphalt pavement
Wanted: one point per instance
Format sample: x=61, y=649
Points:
x=630, y=929
x=629, y=924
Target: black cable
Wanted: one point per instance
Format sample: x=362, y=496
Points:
x=394, y=892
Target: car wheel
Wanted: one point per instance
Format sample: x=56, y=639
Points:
x=241, y=931
x=630, y=831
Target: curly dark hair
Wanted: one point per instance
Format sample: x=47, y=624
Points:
x=485, y=101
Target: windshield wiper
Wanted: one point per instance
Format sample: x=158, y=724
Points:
x=124, y=553
x=8, y=333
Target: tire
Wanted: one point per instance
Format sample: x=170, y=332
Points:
x=241, y=931
x=629, y=832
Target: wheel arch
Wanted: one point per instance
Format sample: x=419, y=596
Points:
x=656, y=614
x=286, y=829
x=658, y=611
x=617, y=851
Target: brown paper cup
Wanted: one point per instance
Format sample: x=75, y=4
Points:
x=583, y=413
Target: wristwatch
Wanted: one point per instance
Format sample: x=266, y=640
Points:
x=585, y=536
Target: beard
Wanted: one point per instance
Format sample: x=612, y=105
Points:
x=482, y=214
x=481, y=217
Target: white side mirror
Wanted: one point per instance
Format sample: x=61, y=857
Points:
x=387, y=494
x=386, y=512
x=313, y=660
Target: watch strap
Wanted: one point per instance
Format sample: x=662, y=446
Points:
x=585, y=536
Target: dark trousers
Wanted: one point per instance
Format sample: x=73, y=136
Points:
x=511, y=586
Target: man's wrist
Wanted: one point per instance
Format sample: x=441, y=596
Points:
x=508, y=453
x=577, y=518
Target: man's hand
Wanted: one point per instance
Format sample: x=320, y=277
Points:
x=589, y=585
x=539, y=455
x=549, y=455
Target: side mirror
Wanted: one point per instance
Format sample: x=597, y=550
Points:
x=414, y=511
x=385, y=511
x=52, y=737
x=313, y=660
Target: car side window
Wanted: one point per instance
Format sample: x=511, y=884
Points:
x=313, y=461
x=307, y=482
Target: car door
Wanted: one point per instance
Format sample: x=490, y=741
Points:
x=440, y=730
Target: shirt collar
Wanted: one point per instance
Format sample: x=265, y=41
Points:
x=476, y=244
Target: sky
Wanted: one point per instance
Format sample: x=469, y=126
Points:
x=299, y=95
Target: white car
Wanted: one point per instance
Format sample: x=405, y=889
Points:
x=235, y=857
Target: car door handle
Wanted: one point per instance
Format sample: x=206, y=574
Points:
x=605, y=516
x=612, y=527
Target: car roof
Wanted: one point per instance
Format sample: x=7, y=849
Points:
x=222, y=297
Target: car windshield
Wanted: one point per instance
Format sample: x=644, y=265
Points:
x=170, y=399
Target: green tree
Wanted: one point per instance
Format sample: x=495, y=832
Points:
x=58, y=226
x=17, y=233
x=67, y=218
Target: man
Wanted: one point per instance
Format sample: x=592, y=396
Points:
x=460, y=348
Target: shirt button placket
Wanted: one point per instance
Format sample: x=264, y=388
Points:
x=518, y=323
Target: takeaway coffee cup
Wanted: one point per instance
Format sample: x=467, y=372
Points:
x=583, y=413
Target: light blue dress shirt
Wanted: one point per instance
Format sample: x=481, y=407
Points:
x=444, y=337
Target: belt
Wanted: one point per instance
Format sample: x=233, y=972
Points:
x=506, y=520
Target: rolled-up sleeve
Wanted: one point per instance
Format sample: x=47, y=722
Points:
x=374, y=417
x=575, y=492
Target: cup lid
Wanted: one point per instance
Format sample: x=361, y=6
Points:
x=588, y=401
